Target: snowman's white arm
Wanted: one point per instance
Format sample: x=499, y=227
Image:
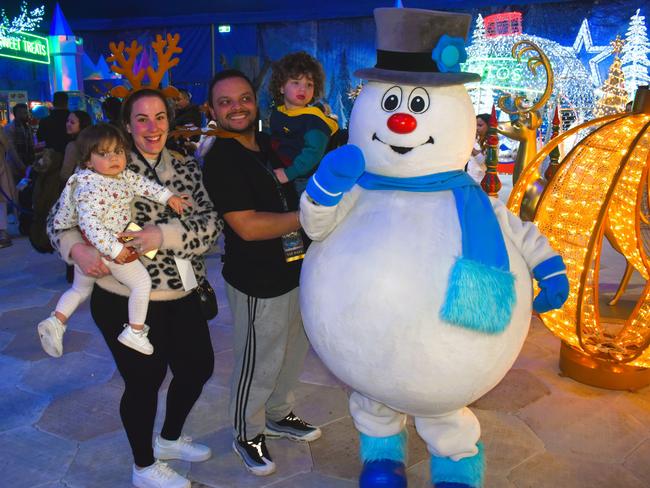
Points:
x=319, y=220
x=526, y=237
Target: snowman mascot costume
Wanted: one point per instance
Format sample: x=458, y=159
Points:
x=417, y=288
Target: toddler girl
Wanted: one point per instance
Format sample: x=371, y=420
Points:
x=97, y=198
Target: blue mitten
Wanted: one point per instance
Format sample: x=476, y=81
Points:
x=338, y=172
x=553, y=282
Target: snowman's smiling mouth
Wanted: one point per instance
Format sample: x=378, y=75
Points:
x=401, y=149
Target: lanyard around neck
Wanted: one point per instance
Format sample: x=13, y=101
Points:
x=269, y=169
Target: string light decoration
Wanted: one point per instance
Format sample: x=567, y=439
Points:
x=500, y=73
x=598, y=190
x=26, y=21
x=614, y=93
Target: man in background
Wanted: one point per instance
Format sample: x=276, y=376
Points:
x=51, y=129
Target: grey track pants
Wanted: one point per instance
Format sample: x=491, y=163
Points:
x=269, y=346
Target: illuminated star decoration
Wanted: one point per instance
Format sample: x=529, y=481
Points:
x=27, y=21
x=602, y=52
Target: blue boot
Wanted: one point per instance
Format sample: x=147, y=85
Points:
x=465, y=473
x=383, y=461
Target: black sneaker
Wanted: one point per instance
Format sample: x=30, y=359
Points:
x=292, y=427
x=255, y=455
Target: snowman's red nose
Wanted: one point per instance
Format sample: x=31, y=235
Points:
x=402, y=123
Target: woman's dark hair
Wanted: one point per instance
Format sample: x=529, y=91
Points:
x=97, y=137
x=127, y=105
x=84, y=119
x=295, y=65
x=485, y=118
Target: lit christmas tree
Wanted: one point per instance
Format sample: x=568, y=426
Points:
x=635, y=54
x=479, y=46
x=614, y=94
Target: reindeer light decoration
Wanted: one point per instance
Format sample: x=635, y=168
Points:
x=165, y=50
x=524, y=129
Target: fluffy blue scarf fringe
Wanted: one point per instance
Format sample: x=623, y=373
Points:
x=479, y=297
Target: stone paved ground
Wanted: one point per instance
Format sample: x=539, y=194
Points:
x=59, y=423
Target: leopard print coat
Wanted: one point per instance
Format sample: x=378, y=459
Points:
x=186, y=237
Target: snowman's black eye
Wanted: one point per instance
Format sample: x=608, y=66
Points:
x=418, y=100
x=392, y=99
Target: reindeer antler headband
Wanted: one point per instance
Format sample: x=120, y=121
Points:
x=125, y=65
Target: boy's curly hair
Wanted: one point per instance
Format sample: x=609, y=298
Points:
x=295, y=65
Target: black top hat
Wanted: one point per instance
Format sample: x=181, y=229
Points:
x=420, y=47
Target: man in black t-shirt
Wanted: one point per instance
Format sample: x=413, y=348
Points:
x=263, y=255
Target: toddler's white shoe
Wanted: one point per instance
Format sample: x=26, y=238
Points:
x=50, y=332
x=158, y=475
x=136, y=339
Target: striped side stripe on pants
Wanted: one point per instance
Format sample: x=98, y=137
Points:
x=246, y=373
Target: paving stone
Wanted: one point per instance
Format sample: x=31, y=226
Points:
x=516, y=390
x=21, y=319
x=221, y=337
x=507, y=441
x=637, y=462
x=24, y=296
x=26, y=344
x=19, y=408
x=5, y=338
x=313, y=480
x=561, y=384
x=320, y=405
x=12, y=370
x=96, y=346
x=223, y=365
x=587, y=427
x=29, y=457
x=58, y=376
x=552, y=471
x=103, y=462
x=636, y=404
x=209, y=414
x=226, y=470
x=534, y=357
x=83, y=414
x=336, y=453
x=577, y=436
x=317, y=373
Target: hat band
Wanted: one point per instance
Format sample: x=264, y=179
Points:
x=398, y=61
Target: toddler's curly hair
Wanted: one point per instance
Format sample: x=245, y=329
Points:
x=295, y=65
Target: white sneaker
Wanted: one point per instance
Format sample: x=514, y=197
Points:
x=136, y=339
x=158, y=475
x=183, y=448
x=50, y=332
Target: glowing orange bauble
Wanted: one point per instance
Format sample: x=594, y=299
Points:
x=598, y=191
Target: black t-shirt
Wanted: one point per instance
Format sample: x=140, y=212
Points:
x=239, y=179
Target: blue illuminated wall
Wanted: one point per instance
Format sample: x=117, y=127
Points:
x=348, y=44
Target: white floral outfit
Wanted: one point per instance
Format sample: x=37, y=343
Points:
x=101, y=207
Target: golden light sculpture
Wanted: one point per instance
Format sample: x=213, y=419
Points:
x=529, y=118
x=598, y=190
